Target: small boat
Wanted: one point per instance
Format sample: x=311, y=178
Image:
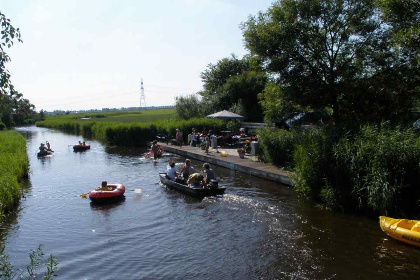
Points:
x=45, y=153
x=404, y=230
x=117, y=191
x=196, y=192
x=81, y=147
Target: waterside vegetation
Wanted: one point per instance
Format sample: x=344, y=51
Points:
x=14, y=166
x=127, y=133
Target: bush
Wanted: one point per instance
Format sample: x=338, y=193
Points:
x=2, y=126
x=13, y=166
x=374, y=171
x=130, y=134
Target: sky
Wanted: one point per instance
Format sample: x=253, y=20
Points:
x=92, y=54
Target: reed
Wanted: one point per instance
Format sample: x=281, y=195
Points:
x=129, y=134
x=14, y=165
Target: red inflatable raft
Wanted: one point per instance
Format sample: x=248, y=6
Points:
x=117, y=191
x=81, y=147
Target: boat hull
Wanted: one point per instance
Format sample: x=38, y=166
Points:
x=81, y=147
x=196, y=192
x=106, y=196
x=407, y=231
x=44, y=154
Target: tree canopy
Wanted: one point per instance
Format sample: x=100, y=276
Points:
x=335, y=54
x=14, y=109
x=234, y=84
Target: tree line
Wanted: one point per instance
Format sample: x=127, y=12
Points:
x=358, y=61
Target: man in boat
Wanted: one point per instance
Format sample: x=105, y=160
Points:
x=42, y=148
x=187, y=169
x=104, y=187
x=195, y=180
x=208, y=173
x=156, y=150
x=171, y=171
x=48, y=146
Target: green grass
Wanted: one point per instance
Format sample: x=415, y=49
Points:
x=128, y=128
x=13, y=166
x=143, y=116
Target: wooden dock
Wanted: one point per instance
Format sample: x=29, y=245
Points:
x=232, y=161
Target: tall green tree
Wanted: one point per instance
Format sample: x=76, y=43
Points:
x=234, y=84
x=333, y=54
x=8, y=35
x=14, y=109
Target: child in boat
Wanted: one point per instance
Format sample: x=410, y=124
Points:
x=208, y=173
x=195, y=180
x=187, y=169
x=156, y=150
x=104, y=187
x=171, y=171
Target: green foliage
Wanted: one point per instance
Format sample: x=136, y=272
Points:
x=13, y=166
x=234, y=84
x=129, y=134
x=374, y=170
x=8, y=35
x=383, y=168
x=404, y=18
x=188, y=107
x=332, y=54
x=37, y=261
x=2, y=126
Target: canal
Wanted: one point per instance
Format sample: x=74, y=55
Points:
x=257, y=230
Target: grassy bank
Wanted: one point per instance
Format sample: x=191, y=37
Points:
x=125, y=132
x=371, y=170
x=13, y=166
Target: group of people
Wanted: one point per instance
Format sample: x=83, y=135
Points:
x=196, y=138
x=187, y=174
x=44, y=148
x=82, y=144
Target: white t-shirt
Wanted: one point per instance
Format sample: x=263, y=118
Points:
x=171, y=173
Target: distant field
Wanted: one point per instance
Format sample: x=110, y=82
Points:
x=145, y=116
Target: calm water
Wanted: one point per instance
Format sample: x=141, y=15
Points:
x=257, y=230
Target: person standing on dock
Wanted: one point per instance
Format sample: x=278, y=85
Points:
x=178, y=137
x=207, y=142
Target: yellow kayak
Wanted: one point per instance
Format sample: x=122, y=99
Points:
x=407, y=231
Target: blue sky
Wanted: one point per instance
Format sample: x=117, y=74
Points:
x=91, y=54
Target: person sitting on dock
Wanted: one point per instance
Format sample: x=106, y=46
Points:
x=195, y=180
x=104, y=187
x=171, y=171
x=208, y=173
x=156, y=150
x=187, y=169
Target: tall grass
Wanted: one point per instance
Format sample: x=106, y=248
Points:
x=13, y=166
x=129, y=134
x=375, y=171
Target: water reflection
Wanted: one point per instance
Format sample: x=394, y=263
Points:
x=107, y=206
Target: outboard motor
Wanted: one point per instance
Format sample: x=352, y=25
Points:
x=213, y=184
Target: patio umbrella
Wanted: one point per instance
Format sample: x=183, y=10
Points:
x=225, y=115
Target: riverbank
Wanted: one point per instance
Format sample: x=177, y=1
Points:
x=248, y=164
x=14, y=166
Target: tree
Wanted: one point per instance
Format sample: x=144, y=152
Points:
x=333, y=54
x=187, y=107
x=404, y=18
x=8, y=34
x=234, y=83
